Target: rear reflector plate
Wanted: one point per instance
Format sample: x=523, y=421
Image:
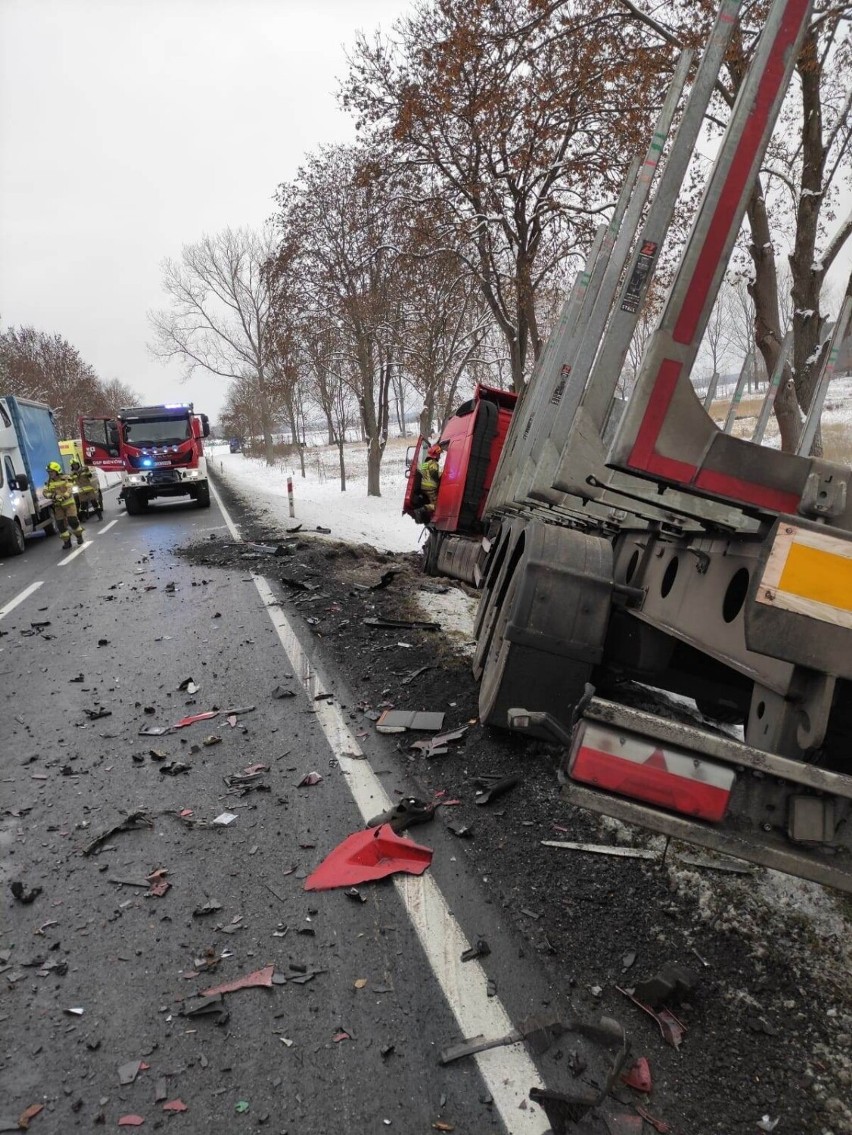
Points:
x=645, y=769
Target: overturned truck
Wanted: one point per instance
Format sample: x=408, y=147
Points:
x=623, y=542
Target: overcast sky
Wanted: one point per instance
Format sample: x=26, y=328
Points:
x=129, y=128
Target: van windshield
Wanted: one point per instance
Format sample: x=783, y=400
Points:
x=164, y=431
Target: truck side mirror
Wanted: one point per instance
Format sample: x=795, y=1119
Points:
x=22, y=482
x=205, y=425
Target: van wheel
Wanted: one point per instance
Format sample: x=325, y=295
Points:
x=14, y=544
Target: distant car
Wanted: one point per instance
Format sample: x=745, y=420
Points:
x=235, y=444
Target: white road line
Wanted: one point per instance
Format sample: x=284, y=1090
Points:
x=508, y=1072
x=73, y=555
x=107, y=527
x=19, y=598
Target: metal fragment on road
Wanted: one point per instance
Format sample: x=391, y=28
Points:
x=603, y=849
x=128, y=1072
x=224, y=819
x=133, y=821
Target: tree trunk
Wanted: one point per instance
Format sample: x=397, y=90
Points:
x=342, y=461
x=767, y=319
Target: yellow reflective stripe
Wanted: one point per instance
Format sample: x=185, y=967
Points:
x=818, y=575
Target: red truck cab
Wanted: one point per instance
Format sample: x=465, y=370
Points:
x=472, y=439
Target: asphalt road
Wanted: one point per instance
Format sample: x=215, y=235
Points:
x=355, y=1047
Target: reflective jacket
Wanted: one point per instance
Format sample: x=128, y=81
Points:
x=85, y=480
x=430, y=477
x=60, y=490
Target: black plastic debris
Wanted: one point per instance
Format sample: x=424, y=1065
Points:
x=24, y=894
x=671, y=985
x=133, y=821
x=401, y=624
x=492, y=787
x=212, y=1006
x=208, y=907
x=281, y=692
x=174, y=768
x=97, y=713
x=403, y=814
x=480, y=949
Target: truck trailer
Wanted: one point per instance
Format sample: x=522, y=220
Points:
x=158, y=450
x=632, y=546
x=28, y=443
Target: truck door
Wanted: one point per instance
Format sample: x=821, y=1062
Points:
x=100, y=444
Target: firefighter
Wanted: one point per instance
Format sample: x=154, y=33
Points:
x=430, y=478
x=88, y=493
x=60, y=491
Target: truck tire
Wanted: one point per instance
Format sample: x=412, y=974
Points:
x=134, y=504
x=13, y=540
x=203, y=496
x=549, y=628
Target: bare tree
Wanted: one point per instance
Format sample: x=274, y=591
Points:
x=520, y=118
x=219, y=316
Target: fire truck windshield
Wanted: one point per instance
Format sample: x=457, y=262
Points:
x=162, y=431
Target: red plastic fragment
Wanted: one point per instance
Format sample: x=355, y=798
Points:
x=30, y=1113
x=260, y=977
x=638, y=1075
x=131, y=1121
x=175, y=1105
x=191, y=720
x=366, y=856
x=672, y=1030
x=341, y=1036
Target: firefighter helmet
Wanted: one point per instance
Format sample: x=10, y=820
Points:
x=54, y=467
x=434, y=451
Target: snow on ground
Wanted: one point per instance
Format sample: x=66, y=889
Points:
x=319, y=502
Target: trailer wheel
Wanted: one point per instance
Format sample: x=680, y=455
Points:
x=549, y=625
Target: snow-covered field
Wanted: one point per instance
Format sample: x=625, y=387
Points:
x=318, y=501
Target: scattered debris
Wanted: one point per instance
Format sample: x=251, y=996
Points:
x=671, y=1028
x=728, y=866
x=131, y=1121
x=366, y=856
x=438, y=746
x=386, y=578
x=658, y=1124
x=193, y=718
x=213, y=1006
x=241, y=1107
x=767, y=1124
x=408, y=811
x=188, y=686
x=354, y=894
x=154, y=730
x=280, y=692
x=603, y=849
x=492, y=787
x=132, y=822
x=638, y=1075
x=309, y=780
x=224, y=819
x=29, y=1113
x=480, y=949
x=669, y=986
x=409, y=678
x=539, y=1032
x=175, y=1105
x=463, y=831
x=175, y=768
x=260, y=977
x=398, y=720
x=127, y=1073
x=401, y=624
x=21, y=893
x=97, y=713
